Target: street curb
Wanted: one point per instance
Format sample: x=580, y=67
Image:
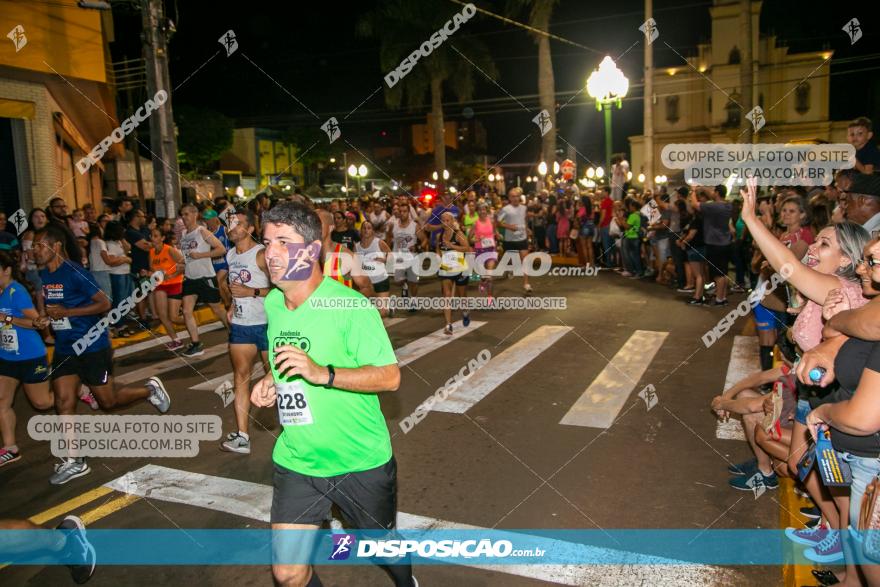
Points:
x=793, y=575
x=202, y=315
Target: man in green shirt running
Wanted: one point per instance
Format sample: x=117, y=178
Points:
x=330, y=356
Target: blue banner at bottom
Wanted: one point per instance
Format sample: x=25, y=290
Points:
x=469, y=547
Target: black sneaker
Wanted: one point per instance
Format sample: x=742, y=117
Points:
x=720, y=303
x=696, y=302
x=78, y=550
x=813, y=513
x=194, y=349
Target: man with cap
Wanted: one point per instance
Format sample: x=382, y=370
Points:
x=862, y=203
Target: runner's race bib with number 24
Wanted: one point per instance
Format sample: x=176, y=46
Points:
x=293, y=404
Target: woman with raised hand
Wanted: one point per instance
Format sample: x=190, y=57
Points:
x=829, y=265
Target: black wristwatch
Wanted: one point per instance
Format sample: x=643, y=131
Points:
x=332, y=372
x=257, y=292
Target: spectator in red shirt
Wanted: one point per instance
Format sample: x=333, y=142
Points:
x=606, y=213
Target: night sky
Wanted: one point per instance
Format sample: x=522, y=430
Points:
x=312, y=51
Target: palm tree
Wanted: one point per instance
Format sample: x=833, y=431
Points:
x=402, y=27
x=540, y=12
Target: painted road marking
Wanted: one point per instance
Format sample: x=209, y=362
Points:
x=254, y=501
x=600, y=403
x=153, y=342
x=258, y=371
x=69, y=505
x=744, y=359
x=500, y=368
x=421, y=347
x=105, y=509
x=212, y=384
x=171, y=364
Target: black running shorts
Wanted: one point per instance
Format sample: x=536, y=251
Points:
x=367, y=499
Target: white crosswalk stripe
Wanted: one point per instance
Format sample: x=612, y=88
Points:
x=744, y=359
x=500, y=368
x=421, y=347
x=253, y=500
x=154, y=342
x=258, y=371
x=177, y=362
x=600, y=403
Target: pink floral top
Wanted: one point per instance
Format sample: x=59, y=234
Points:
x=807, y=329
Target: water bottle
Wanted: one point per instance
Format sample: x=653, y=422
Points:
x=816, y=374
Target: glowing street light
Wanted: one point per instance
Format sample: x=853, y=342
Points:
x=542, y=168
x=491, y=177
x=591, y=173
x=600, y=173
x=629, y=175
x=445, y=174
x=641, y=178
x=555, y=168
x=608, y=86
x=359, y=173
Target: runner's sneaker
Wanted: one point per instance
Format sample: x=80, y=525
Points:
x=88, y=397
x=195, y=349
x=78, y=548
x=626, y=274
x=8, y=456
x=685, y=290
x=527, y=289
x=465, y=320
x=174, y=345
x=697, y=302
x=828, y=551
x=448, y=329
x=720, y=303
x=770, y=481
x=69, y=469
x=749, y=467
x=807, y=536
x=158, y=396
x=235, y=442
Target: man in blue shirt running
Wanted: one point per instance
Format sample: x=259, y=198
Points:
x=73, y=307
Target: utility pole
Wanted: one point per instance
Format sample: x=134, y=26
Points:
x=648, y=99
x=745, y=68
x=134, y=145
x=166, y=174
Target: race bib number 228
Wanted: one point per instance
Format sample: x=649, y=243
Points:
x=293, y=404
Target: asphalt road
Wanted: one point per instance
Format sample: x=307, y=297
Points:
x=505, y=462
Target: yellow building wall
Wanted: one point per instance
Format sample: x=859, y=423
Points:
x=61, y=37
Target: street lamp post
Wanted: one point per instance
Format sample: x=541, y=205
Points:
x=608, y=86
x=358, y=173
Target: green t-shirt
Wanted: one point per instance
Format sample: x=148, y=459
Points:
x=327, y=431
x=635, y=222
x=469, y=219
